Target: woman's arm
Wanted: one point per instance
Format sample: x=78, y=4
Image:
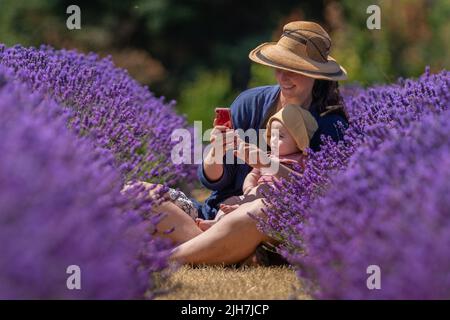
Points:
x=213, y=171
x=213, y=174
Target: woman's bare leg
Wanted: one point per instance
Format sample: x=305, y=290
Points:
x=175, y=224
x=184, y=228
x=231, y=240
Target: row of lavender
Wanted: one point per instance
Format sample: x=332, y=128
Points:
x=73, y=130
x=381, y=197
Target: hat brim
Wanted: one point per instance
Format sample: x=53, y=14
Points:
x=273, y=55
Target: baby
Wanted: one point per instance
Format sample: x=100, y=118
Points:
x=295, y=127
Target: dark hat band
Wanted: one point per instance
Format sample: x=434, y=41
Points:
x=263, y=58
x=308, y=42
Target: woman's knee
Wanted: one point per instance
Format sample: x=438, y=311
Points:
x=255, y=212
x=156, y=190
x=153, y=190
x=257, y=206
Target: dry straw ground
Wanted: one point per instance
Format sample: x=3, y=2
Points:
x=218, y=282
x=252, y=283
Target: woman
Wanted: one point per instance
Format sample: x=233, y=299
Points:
x=307, y=76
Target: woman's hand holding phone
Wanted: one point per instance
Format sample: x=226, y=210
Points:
x=223, y=117
x=225, y=136
x=223, y=130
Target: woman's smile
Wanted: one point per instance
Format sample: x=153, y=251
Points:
x=287, y=87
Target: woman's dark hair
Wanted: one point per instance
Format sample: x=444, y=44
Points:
x=327, y=98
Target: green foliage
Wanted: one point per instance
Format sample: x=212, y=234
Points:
x=196, y=51
x=20, y=21
x=208, y=91
x=439, y=45
x=413, y=35
x=261, y=76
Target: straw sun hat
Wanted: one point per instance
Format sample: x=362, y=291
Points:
x=303, y=48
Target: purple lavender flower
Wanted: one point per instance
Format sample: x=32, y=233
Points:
x=60, y=205
x=77, y=129
x=109, y=106
x=389, y=208
x=378, y=197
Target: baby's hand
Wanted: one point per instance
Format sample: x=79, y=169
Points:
x=252, y=155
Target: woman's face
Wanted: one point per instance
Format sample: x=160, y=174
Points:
x=295, y=87
x=285, y=144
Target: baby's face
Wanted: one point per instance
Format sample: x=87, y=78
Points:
x=286, y=144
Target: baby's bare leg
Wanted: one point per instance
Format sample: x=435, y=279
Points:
x=206, y=224
x=226, y=207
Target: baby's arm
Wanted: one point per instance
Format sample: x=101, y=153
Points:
x=251, y=180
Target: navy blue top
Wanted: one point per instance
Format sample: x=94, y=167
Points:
x=249, y=110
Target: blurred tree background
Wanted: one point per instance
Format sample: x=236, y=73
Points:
x=196, y=51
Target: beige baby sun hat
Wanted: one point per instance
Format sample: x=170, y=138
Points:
x=299, y=122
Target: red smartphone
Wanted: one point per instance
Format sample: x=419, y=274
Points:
x=223, y=117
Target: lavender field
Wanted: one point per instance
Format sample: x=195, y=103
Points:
x=380, y=197
x=74, y=129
